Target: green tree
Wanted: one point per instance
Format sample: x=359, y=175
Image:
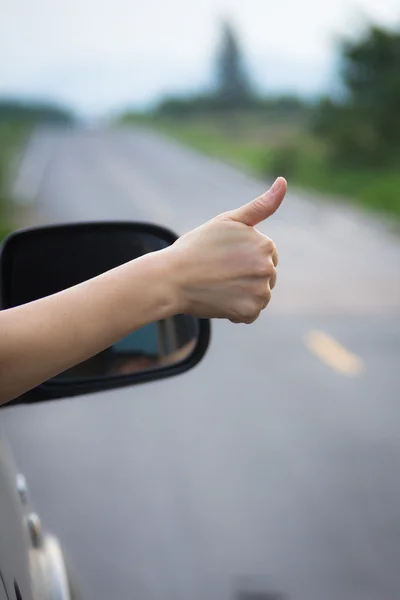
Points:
x=19, y=111
x=233, y=83
x=364, y=127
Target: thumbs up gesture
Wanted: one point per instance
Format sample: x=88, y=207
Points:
x=226, y=268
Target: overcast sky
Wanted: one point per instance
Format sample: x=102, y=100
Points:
x=99, y=55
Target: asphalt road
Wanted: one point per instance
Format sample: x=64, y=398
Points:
x=271, y=468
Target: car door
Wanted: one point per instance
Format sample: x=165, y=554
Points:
x=15, y=542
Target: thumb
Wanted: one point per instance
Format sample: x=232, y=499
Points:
x=262, y=207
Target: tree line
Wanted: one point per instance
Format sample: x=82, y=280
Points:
x=18, y=111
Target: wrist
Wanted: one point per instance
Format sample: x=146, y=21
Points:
x=172, y=267
x=165, y=267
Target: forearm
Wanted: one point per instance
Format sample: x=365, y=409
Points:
x=43, y=338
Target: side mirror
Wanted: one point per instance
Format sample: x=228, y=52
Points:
x=38, y=262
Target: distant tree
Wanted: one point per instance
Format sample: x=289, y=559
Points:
x=34, y=112
x=233, y=90
x=233, y=82
x=186, y=106
x=364, y=127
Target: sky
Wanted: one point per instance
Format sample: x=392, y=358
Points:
x=104, y=55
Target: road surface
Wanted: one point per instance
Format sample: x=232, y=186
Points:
x=273, y=468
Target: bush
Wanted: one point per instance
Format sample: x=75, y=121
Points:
x=4, y=232
x=363, y=127
x=283, y=161
x=383, y=192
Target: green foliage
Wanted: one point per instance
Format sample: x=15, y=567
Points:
x=192, y=105
x=5, y=157
x=274, y=107
x=5, y=230
x=17, y=111
x=283, y=161
x=362, y=131
x=371, y=70
x=229, y=136
x=364, y=128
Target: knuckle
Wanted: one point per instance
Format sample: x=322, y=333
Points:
x=257, y=292
x=252, y=315
x=271, y=271
x=234, y=320
x=262, y=269
x=272, y=280
x=265, y=268
x=250, y=310
x=248, y=316
x=263, y=292
x=267, y=301
x=225, y=216
x=250, y=321
x=275, y=257
x=267, y=298
x=269, y=245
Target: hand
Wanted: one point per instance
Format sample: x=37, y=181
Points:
x=226, y=268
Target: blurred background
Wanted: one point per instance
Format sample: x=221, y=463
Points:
x=278, y=88
x=271, y=470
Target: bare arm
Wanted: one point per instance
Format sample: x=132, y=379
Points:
x=45, y=337
x=224, y=269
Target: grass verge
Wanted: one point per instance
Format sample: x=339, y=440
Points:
x=12, y=135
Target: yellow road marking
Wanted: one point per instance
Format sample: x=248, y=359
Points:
x=333, y=354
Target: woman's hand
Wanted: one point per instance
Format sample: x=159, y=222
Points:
x=226, y=268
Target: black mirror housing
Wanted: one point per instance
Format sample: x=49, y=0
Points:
x=42, y=261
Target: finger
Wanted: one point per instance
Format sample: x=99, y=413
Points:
x=266, y=303
x=251, y=321
x=267, y=296
x=275, y=257
x=262, y=207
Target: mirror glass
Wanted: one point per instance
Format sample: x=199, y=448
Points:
x=49, y=260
